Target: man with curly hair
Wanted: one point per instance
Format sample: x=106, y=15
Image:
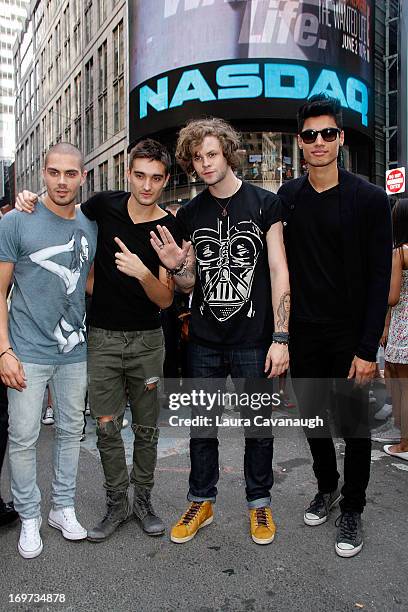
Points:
x=233, y=255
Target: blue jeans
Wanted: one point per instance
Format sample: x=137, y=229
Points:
x=68, y=388
x=241, y=363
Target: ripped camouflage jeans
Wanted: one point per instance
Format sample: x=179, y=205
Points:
x=121, y=363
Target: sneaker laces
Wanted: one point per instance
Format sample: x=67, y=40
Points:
x=348, y=525
x=317, y=504
x=190, y=513
x=30, y=527
x=262, y=517
x=69, y=514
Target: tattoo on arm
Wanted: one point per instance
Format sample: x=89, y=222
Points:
x=282, y=314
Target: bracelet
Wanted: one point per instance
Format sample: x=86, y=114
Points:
x=10, y=348
x=179, y=270
x=284, y=342
x=280, y=337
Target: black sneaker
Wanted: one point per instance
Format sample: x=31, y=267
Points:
x=349, y=539
x=7, y=513
x=320, y=507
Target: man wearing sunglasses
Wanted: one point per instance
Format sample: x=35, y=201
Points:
x=338, y=241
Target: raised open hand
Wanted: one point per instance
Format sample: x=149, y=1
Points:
x=170, y=254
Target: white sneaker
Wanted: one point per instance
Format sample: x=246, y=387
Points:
x=65, y=520
x=30, y=543
x=384, y=412
x=48, y=418
x=386, y=433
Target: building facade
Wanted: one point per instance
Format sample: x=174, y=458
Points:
x=105, y=73
x=12, y=18
x=71, y=67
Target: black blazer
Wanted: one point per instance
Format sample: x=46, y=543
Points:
x=367, y=245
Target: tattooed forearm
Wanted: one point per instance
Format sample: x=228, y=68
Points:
x=282, y=313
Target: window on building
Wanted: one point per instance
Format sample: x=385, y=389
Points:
x=78, y=94
x=57, y=39
x=101, y=11
x=58, y=122
x=118, y=65
x=118, y=79
x=90, y=180
x=89, y=129
x=89, y=110
x=67, y=113
x=119, y=163
x=88, y=21
x=78, y=132
x=103, y=117
x=89, y=82
x=77, y=38
x=50, y=127
x=118, y=104
x=103, y=176
x=103, y=66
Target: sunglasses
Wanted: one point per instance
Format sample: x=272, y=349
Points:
x=328, y=134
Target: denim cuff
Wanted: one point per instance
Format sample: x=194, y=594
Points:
x=259, y=503
x=194, y=498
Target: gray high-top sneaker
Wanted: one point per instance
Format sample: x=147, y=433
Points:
x=145, y=514
x=118, y=511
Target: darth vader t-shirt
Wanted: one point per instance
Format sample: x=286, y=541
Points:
x=232, y=304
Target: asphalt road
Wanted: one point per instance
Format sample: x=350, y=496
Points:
x=221, y=569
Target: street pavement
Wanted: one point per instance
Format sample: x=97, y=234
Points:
x=221, y=569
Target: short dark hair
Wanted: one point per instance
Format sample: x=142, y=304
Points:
x=153, y=150
x=65, y=148
x=320, y=104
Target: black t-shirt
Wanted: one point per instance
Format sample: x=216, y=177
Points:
x=315, y=257
x=231, y=303
x=119, y=302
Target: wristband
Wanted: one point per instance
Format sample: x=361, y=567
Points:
x=6, y=352
x=179, y=270
x=280, y=337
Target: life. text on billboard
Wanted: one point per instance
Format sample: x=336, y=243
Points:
x=246, y=58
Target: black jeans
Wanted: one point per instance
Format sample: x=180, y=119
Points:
x=3, y=423
x=239, y=363
x=319, y=351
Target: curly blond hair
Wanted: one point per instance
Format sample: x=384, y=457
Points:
x=193, y=134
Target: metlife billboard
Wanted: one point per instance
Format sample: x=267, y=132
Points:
x=247, y=59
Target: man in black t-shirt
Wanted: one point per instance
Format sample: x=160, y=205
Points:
x=125, y=345
x=338, y=241
x=233, y=246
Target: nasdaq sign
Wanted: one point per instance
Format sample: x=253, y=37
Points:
x=261, y=81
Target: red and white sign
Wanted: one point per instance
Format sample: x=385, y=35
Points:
x=395, y=181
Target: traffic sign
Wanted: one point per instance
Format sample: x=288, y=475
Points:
x=395, y=181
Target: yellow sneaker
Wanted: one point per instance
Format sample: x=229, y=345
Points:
x=262, y=526
x=197, y=515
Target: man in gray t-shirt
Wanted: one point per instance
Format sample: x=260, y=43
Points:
x=42, y=340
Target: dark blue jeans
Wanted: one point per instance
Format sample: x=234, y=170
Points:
x=245, y=364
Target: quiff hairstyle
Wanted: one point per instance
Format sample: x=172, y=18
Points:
x=152, y=150
x=65, y=148
x=193, y=134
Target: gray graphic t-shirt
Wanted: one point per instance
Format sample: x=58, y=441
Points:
x=52, y=258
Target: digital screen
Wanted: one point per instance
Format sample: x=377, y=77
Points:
x=250, y=56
